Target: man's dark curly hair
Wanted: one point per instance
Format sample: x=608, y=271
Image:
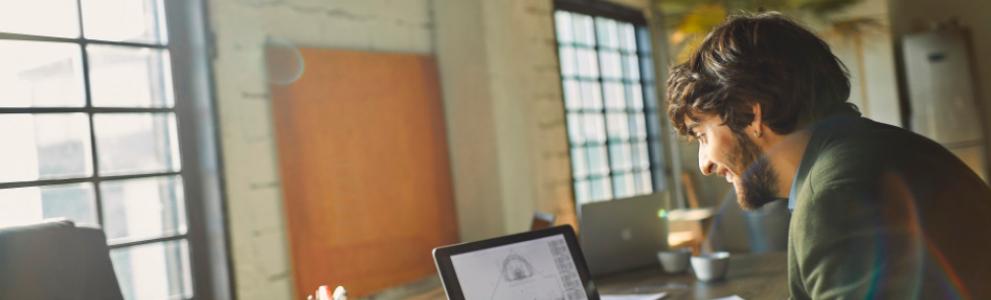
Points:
x=763, y=59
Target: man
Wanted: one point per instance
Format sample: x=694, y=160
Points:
x=877, y=211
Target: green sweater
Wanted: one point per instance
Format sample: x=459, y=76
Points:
x=880, y=212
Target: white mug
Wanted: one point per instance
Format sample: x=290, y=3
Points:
x=711, y=267
x=675, y=260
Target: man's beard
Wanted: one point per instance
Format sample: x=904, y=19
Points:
x=759, y=181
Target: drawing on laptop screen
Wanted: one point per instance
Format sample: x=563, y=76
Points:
x=537, y=269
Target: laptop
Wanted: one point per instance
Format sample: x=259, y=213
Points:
x=622, y=234
x=542, y=264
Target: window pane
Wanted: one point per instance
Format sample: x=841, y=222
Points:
x=640, y=155
x=576, y=128
x=568, y=61
x=572, y=94
x=614, y=95
x=619, y=186
x=42, y=74
x=592, y=94
x=130, y=77
x=639, y=129
x=643, y=35
x=562, y=21
x=656, y=155
x=647, y=64
x=143, y=208
x=601, y=189
x=32, y=204
x=124, y=20
x=579, y=162
x=610, y=62
x=631, y=67
x=44, y=146
x=40, y=17
x=624, y=185
x=136, y=143
x=597, y=161
x=654, y=123
x=649, y=100
x=583, y=191
x=619, y=126
x=584, y=33
x=588, y=66
x=595, y=128
x=634, y=96
x=153, y=271
x=644, y=185
x=606, y=29
x=619, y=157
x=627, y=41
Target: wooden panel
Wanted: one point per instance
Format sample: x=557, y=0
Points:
x=365, y=173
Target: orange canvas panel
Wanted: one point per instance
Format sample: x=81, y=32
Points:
x=365, y=173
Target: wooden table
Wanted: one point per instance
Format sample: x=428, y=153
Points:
x=751, y=276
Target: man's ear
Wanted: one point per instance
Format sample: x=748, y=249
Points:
x=756, y=126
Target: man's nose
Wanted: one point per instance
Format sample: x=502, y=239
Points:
x=705, y=165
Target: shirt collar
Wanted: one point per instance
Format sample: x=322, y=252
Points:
x=803, y=171
x=793, y=193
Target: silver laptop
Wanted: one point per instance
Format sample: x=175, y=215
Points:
x=622, y=234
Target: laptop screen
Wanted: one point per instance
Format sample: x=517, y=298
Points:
x=541, y=268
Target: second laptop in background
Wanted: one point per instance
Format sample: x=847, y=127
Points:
x=622, y=234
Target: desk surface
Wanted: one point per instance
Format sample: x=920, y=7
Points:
x=751, y=276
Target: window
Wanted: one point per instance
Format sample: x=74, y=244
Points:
x=607, y=80
x=90, y=120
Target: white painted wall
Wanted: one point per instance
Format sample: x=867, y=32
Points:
x=465, y=82
x=261, y=266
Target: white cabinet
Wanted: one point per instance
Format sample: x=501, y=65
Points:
x=942, y=95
